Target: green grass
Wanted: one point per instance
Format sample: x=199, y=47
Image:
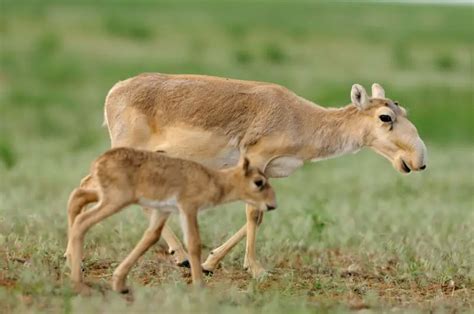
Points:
x=409, y=237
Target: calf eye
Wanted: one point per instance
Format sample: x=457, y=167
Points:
x=259, y=183
x=385, y=118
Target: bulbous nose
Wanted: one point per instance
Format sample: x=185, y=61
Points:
x=423, y=167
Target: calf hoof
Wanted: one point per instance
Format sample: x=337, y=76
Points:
x=207, y=272
x=121, y=288
x=184, y=263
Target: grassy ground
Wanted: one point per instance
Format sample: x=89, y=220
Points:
x=349, y=233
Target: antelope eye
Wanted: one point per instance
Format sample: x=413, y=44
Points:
x=385, y=118
x=259, y=183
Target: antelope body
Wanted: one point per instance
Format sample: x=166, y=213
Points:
x=215, y=120
x=124, y=176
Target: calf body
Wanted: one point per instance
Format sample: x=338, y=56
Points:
x=124, y=176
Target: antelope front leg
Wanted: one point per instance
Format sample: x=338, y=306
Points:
x=193, y=241
x=250, y=263
x=254, y=219
x=150, y=237
x=219, y=253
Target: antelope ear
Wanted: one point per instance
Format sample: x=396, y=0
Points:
x=359, y=96
x=246, y=165
x=377, y=91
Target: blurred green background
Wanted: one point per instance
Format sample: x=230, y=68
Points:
x=58, y=59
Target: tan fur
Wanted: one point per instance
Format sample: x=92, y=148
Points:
x=214, y=120
x=124, y=176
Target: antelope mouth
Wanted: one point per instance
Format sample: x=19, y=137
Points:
x=405, y=167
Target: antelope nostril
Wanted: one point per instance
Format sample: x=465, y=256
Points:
x=270, y=207
x=423, y=167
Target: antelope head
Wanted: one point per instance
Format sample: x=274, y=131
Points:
x=388, y=130
x=253, y=186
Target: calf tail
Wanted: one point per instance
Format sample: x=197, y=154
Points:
x=88, y=182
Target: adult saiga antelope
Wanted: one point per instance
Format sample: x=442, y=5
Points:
x=214, y=120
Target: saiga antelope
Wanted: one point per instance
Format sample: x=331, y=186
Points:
x=214, y=120
x=124, y=176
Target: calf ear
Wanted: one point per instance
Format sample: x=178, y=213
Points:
x=359, y=96
x=377, y=91
x=246, y=166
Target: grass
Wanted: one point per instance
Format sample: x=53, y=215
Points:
x=349, y=234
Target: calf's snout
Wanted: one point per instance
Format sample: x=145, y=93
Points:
x=271, y=207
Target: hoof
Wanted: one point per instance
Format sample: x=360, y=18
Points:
x=207, y=272
x=184, y=263
x=256, y=270
x=119, y=284
x=121, y=288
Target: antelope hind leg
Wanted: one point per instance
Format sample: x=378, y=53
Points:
x=175, y=247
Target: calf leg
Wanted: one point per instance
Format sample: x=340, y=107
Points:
x=150, y=237
x=254, y=218
x=193, y=241
x=77, y=200
x=82, y=224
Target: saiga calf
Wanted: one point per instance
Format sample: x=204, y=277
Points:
x=124, y=176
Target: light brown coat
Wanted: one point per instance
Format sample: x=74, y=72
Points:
x=215, y=120
x=124, y=176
